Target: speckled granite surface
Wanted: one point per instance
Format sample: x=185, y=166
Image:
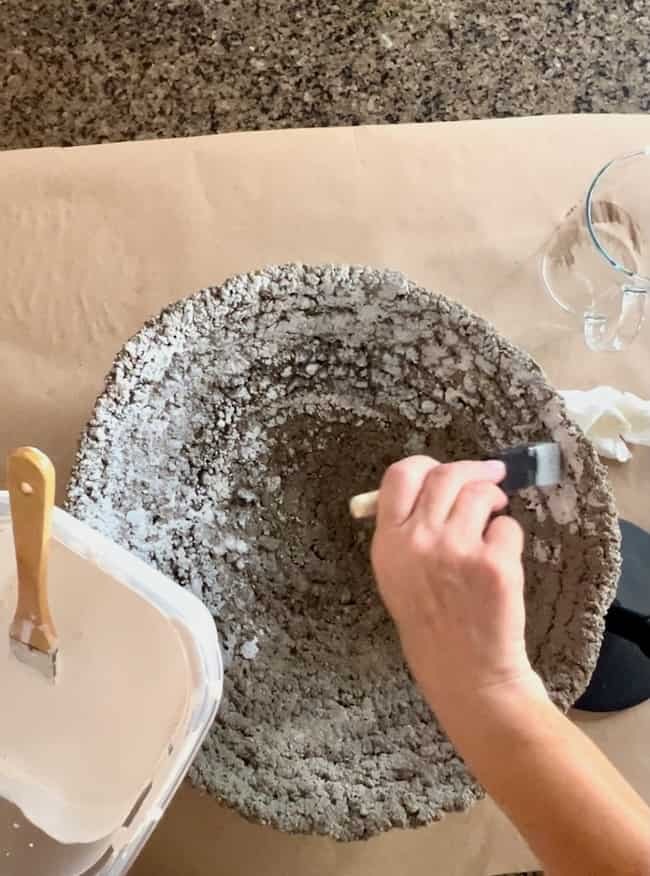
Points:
x=83, y=71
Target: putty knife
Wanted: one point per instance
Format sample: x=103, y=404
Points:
x=31, y=480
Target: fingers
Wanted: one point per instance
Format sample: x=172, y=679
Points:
x=506, y=536
x=443, y=484
x=400, y=488
x=471, y=512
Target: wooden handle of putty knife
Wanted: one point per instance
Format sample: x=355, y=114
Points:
x=364, y=505
x=31, y=480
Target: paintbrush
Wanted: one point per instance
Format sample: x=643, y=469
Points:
x=529, y=465
x=31, y=479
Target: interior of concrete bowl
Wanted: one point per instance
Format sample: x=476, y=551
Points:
x=232, y=431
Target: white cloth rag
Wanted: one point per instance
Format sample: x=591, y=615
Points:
x=611, y=419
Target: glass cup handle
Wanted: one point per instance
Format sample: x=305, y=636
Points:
x=603, y=333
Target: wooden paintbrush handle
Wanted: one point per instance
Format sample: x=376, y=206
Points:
x=364, y=505
x=31, y=481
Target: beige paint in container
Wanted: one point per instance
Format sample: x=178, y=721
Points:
x=89, y=762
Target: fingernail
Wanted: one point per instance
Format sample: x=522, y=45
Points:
x=497, y=468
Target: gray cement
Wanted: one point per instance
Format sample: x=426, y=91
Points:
x=89, y=71
x=232, y=430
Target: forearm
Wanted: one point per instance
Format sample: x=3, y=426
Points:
x=449, y=570
x=573, y=807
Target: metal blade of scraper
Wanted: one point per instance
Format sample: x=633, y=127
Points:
x=529, y=465
x=31, y=481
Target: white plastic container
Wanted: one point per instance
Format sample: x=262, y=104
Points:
x=24, y=849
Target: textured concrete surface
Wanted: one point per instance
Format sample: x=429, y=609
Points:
x=232, y=430
x=84, y=71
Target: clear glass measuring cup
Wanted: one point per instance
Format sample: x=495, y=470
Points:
x=597, y=263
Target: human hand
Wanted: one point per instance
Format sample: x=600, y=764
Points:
x=451, y=576
x=452, y=579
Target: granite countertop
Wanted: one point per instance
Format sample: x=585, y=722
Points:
x=86, y=71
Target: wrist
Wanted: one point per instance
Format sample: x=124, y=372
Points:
x=511, y=704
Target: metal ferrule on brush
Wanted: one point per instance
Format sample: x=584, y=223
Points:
x=531, y=465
